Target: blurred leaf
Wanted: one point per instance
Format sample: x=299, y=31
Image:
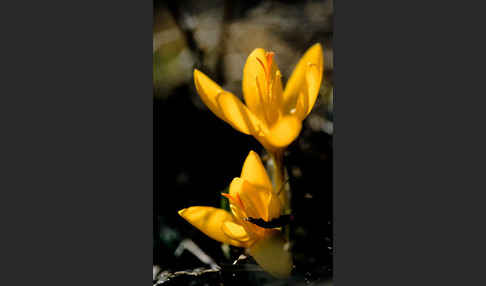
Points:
x=224, y=201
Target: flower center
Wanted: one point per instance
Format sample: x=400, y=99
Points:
x=236, y=200
x=252, y=229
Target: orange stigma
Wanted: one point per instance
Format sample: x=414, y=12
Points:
x=235, y=200
x=269, y=56
x=268, y=67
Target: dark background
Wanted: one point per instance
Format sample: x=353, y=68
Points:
x=196, y=155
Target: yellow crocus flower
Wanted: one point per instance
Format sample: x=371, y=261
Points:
x=250, y=196
x=272, y=115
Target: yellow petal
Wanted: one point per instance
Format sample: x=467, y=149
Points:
x=238, y=115
x=210, y=221
x=262, y=85
x=313, y=80
x=254, y=81
x=236, y=231
x=284, y=131
x=271, y=255
x=254, y=172
x=208, y=90
x=274, y=207
x=235, y=187
x=225, y=105
x=302, y=85
x=258, y=202
x=277, y=90
x=248, y=199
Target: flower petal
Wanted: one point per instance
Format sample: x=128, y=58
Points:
x=274, y=207
x=210, y=221
x=271, y=254
x=238, y=115
x=284, y=131
x=254, y=172
x=225, y=105
x=254, y=81
x=250, y=201
x=236, y=231
x=257, y=202
x=302, y=85
x=313, y=79
x=259, y=72
x=208, y=91
x=277, y=90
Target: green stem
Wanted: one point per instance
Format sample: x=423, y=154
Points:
x=280, y=186
x=279, y=180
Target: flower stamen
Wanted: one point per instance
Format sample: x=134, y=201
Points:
x=235, y=200
x=269, y=56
